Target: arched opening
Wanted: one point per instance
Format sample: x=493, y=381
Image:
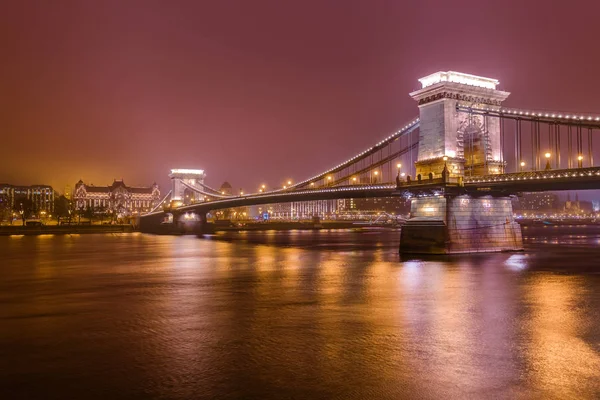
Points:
x=473, y=139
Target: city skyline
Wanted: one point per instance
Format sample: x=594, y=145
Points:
x=90, y=98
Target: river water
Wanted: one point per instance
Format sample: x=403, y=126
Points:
x=297, y=315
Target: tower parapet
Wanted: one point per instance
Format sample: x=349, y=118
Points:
x=470, y=143
x=182, y=178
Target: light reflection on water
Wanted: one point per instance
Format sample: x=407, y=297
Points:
x=296, y=315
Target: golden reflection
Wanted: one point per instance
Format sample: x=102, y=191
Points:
x=561, y=362
x=455, y=316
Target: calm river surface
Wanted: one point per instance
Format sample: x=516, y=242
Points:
x=297, y=315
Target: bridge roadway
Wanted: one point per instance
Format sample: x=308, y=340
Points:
x=498, y=185
x=537, y=181
x=330, y=193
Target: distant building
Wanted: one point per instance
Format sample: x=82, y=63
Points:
x=41, y=197
x=577, y=206
x=117, y=198
x=344, y=208
x=226, y=189
x=538, y=202
x=68, y=192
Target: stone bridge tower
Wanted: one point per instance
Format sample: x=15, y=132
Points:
x=185, y=179
x=448, y=219
x=471, y=143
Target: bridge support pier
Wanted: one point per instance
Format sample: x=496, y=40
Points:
x=455, y=224
x=180, y=223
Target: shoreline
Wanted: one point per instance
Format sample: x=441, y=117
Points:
x=8, y=230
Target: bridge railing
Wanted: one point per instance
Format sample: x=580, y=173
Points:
x=572, y=173
x=434, y=180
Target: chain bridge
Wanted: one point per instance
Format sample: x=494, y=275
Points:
x=459, y=162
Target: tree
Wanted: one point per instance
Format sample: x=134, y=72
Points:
x=80, y=212
x=24, y=207
x=101, y=212
x=61, y=208
x=5, y=208
x=89, y=212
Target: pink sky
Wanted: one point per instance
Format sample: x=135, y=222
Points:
x=259, y=91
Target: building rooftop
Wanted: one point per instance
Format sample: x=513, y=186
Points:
x=458, y=77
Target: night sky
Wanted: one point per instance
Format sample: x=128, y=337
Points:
x=259, y=91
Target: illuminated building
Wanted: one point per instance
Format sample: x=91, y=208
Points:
x=226, y=189
x=41, y=196
x=577, y=206
x=544, y=201
x=117, y=198
x=68, y=192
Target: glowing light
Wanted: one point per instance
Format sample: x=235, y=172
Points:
x=580, y=157
x=187, y=171
x=451, y=153
x=289, y=182
x=376, y=173
x=547, y=155
x=522, y=163
x=458, y=77
x=329, y=178
x=399, y=165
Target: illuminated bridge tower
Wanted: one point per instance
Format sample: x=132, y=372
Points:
x=471, y=143
x=182, y=179
x=463, y=144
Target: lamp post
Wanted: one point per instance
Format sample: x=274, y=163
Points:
x=522, y=165
x=580, y=161
x=548, y=167
x=398, y=166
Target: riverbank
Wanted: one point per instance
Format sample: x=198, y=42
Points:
x=63, y=229
x=285, y=226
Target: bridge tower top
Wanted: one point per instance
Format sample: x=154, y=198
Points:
x=182, y=178
x=467, y=144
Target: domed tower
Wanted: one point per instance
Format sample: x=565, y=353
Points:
x=226, y=188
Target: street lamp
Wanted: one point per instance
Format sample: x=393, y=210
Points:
x=522, y=165
x=548, y=167
x=580, y=161
x=375, y=173
x=354, y=179
x=289, y=182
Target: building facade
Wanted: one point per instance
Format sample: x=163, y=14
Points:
x=41, y=197
x=544, y=201
x=118, y=198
